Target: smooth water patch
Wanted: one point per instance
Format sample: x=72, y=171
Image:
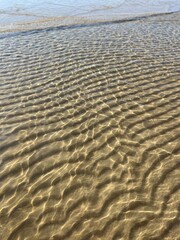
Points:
x=19, y=14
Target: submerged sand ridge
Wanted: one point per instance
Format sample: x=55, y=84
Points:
x=89, y=143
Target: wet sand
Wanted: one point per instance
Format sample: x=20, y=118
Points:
x=89, y=132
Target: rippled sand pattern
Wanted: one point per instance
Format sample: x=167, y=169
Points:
x=89, y=121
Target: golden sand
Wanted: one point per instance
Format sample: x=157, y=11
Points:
x=89, y=130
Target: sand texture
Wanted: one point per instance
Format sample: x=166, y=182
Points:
x=89, y=132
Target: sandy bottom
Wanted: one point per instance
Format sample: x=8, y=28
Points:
x=89, y=129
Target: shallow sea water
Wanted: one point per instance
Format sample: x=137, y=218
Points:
x=89, y=130
x=19, y=15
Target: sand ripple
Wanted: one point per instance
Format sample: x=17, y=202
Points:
x=89, y=130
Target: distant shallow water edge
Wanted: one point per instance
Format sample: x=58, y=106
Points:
x=21, y=16
x=55, y=23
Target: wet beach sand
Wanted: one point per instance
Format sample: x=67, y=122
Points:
x=89, y=131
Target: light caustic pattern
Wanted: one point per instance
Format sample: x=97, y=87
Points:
x=89, y=121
